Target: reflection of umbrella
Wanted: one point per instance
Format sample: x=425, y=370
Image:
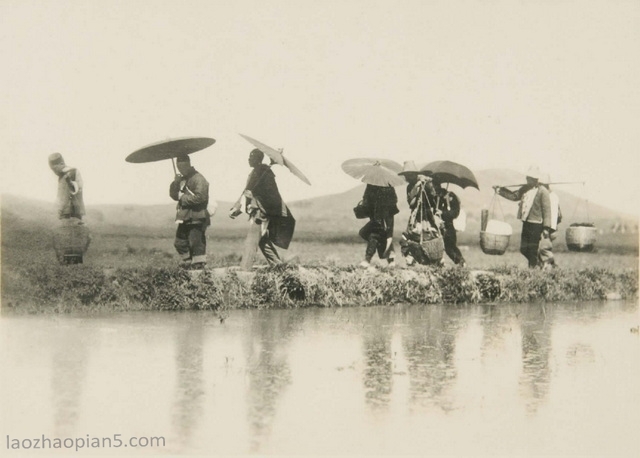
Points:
x=277, y=157
x=169, y=149
x=378, y=172
x=451, y=172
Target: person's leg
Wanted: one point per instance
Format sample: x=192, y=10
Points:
x=181, y=243
x=386, y=249
x=450, y=240
x=530, y=242
x=269, y=250
x=198, y=243
x=369, y=233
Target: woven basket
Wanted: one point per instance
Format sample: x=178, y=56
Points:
x=71, y=241
x=433, y=249
x=494, y=244
x=581, y=238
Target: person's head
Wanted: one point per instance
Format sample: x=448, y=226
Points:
x=56, y=162
x=255, y=157
x=184, y=164
x=533, y=175
x=409, y=172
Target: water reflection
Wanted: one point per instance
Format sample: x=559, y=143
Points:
x=387, y=380
x=69, y=358
x=189, y=387
x=268, y=370
x=429, y=346
x=378, y=364
x=535, y=327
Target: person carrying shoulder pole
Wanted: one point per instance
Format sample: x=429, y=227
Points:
x=534, y=212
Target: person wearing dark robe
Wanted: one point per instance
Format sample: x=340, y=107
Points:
x=265, y=207
x=447, y=206
x=191, y=190
x=381, y=203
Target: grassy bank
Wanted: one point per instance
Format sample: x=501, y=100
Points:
x=49, y=287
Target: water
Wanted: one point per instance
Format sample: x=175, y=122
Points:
x=503, y=379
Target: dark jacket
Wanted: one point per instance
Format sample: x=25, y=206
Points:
x=266, y=197
x=449, y=205
x=192, y=204
x=381, y=201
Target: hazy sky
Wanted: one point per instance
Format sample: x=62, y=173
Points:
x=486, y=83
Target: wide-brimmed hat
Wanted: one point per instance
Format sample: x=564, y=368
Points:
x=409, y=167
x=534, y=172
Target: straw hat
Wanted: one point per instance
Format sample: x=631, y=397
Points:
x=534, y=172
x=409, y=167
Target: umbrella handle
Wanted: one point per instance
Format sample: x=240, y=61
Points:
x=174, y=167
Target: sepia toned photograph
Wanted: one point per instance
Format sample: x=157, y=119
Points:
x=321, y=228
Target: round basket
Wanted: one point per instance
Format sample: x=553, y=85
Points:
x=70, y=242
x=433, y=249
x=494, y=244
x=581, y=238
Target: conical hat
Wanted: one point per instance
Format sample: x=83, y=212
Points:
x=409, y=167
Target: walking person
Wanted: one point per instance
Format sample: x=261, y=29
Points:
x=381, y=204
x=265, y=207
x=546, y=259
x=534, y=211
x=420, y=196
x=447, y=205
x=70, y=189
x=191, y=190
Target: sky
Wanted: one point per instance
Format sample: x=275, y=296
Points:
x=490, y=84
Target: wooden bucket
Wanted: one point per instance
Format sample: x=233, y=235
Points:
x=494, y=244
x=581, y=238
x=70, y=241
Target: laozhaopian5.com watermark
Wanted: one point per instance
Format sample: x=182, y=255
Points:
x=83, y=443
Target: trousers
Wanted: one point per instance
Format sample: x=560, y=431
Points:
x=191, y=242
x=530, y=241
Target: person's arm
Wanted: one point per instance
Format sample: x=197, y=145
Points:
x=546, y=209
x=76, y=182
x=508, y=194
x=174, y=187
x=196, y=192
x=454, y=208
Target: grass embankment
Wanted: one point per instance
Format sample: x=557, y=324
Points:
x=46, y=287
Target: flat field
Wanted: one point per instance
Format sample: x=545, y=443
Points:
x=118, y=246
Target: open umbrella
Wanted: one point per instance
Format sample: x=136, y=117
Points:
x=169, y=149
x=451, y=172
x=277, y=157
x=377, y=172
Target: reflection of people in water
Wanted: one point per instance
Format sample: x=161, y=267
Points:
x=536, y=346
x=429, y=346
x=378, y=372
x=189, y=379
x=268, y=369
x=68, y=371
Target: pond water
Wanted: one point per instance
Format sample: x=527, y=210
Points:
x=429, y=380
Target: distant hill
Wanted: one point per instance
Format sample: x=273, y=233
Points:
x=325, y=214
